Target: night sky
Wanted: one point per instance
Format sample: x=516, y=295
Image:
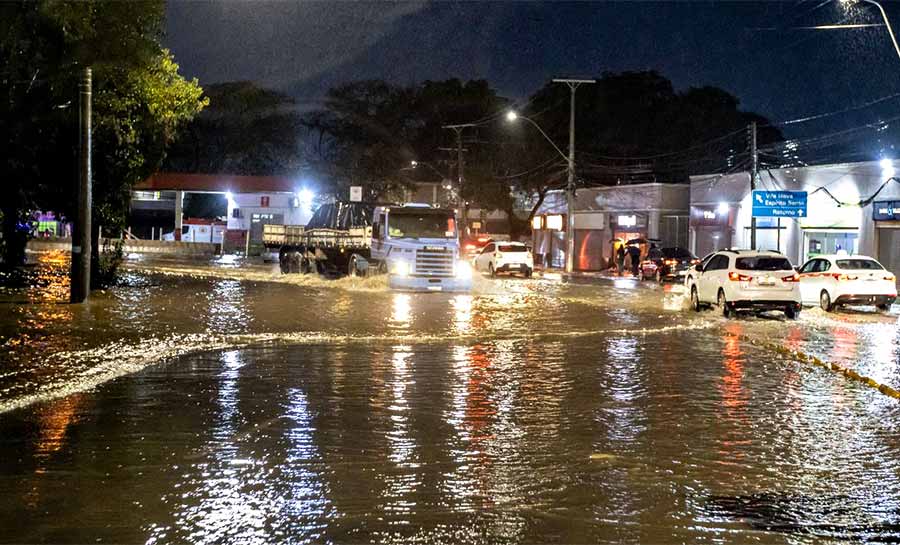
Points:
x=783, y=73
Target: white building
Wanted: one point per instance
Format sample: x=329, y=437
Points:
x=844, y=201
x=626, y=212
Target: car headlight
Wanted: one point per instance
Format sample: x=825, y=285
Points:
x=400, y=268
x=463, y=270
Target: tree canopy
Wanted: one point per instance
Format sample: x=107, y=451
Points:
x=140, y=102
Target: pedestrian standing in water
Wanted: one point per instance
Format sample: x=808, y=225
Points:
x=635, y=253
x=620, y=259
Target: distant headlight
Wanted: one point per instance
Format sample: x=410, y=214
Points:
x=400, y=268
x=463, y=270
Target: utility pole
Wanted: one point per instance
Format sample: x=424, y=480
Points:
x=754, y=176
x=81, y=236
x=570, y=186
x=463, y=207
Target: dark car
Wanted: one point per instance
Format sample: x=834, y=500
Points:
x=667, y=263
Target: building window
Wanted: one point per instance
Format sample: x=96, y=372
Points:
x=264, y=201
x=236, y=213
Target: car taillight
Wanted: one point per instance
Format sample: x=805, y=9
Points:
x=792, y=278
x=890, y=277
x=671, y=262
x=841, y=276
x=647, y=262
x=695, y=261
x=470, y=246
x=735, y=277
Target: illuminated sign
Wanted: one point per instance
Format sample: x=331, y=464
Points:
x=779, y=204
x=537, y=222
x=555, y=223
x=709, y=215
x=886, y=211
x=627, y=221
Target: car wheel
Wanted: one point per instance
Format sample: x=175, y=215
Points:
x=305, y=267
x=883, y=307
x=723, y=304
x=695, y=299
x=792, y=313
x=491, y=270
x=527, y=273
x=659, y=276
x=825, y=301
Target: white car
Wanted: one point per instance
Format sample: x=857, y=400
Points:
x=504, y=257
x=745, y=279
x=832, y=280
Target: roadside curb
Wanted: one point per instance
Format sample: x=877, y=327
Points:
x=833, y=367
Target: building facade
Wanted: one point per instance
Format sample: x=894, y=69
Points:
x=852, y=207
x=603, y=214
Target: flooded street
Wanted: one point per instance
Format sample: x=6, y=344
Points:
x=225, y=403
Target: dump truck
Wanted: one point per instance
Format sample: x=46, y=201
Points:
x=416, y=245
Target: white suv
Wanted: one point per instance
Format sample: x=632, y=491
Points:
x=504, y=257
x=745, y=279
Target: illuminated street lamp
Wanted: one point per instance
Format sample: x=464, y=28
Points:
x=887, y=23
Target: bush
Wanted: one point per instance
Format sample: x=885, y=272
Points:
x=106, y=266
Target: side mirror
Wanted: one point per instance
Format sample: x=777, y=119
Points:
x=796, y=268
x=697, y=267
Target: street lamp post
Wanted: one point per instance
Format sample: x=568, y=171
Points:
x=570, y=161
x=884, y=16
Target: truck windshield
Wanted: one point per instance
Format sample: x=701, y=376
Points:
x=421, y=225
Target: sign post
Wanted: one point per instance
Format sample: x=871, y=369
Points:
x=355, y=193
x=779, y=204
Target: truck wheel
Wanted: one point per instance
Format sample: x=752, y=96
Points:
x=353, y=267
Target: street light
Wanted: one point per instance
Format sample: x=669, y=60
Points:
x=570, y=185
x=887, y=23
x=513, y=116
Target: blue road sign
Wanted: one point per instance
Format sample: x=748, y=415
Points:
x=779, y=204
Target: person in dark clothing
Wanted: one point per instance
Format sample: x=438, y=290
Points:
x=634, y=251
x=620, y=259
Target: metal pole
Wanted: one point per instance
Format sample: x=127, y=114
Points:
x=463, y=233
x=754, y=174
x=887, y=23
x=81, y=239
x=570, y=186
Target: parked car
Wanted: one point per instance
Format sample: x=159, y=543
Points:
x=667, y=263
x=473, y=245
x=833, y=280
x=746, y=280
x=504, y=257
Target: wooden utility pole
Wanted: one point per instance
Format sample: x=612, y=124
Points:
x=81, y=235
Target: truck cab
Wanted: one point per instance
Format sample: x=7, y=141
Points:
x=418, y=246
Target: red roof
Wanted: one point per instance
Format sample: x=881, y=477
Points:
x=221, y=183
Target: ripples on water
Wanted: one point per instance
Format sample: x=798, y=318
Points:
x=523, y=412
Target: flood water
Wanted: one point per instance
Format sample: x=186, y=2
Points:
x=223, y=403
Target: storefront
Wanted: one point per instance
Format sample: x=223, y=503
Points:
x=840, y=216
x=886, y=216
x=607, y=214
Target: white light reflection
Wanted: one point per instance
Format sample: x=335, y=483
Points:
x=462, y=318
x=401, y=485
x=401, y=313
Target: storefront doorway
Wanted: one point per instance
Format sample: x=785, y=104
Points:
x=831, y=241
x=889, y=246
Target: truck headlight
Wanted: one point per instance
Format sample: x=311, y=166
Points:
x=400, y=268
x=463, y=270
